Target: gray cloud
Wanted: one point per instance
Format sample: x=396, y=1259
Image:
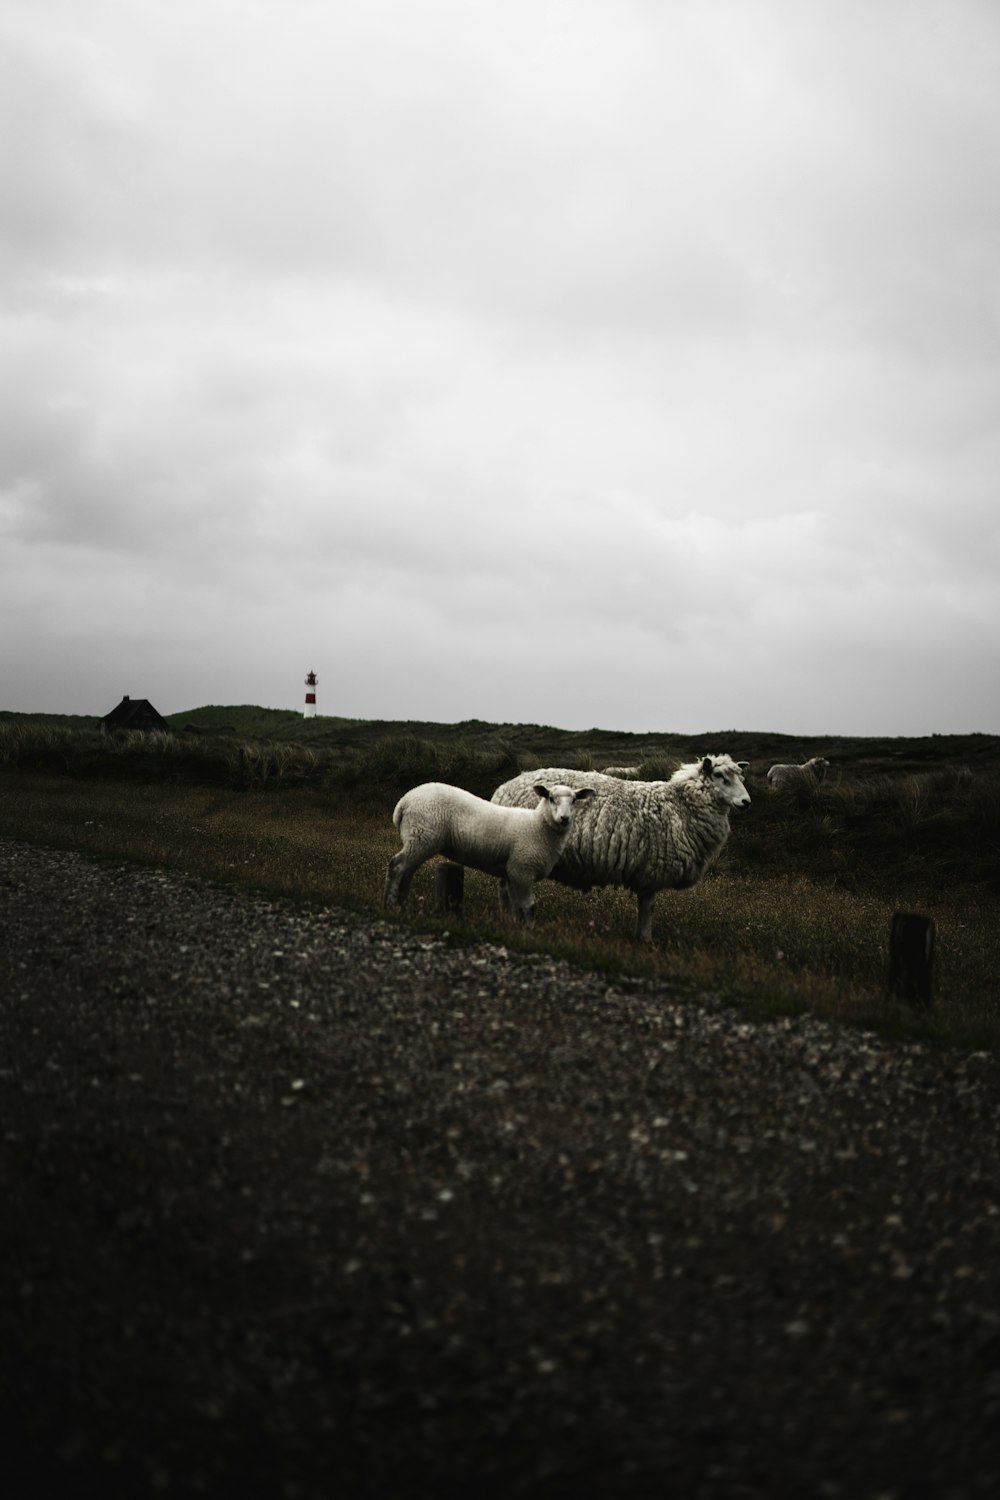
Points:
x=638, y=363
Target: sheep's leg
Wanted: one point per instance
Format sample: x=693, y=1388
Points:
x=399, y=873
x=504, y=895
x=644, y=916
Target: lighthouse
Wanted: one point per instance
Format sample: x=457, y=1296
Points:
x=309, y=712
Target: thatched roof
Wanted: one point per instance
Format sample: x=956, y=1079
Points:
x=133, y=713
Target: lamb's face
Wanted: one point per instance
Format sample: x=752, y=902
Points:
x=562, y=801
x=725, y=776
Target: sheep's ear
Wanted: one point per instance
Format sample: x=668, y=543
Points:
x=706, y=766
x=583, y=793
x=744, y=766
x=541, y=790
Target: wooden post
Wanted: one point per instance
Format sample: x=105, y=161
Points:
x=911, y=950
x=449, y=882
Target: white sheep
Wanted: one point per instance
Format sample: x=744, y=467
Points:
x=647, y=836
x=520, y=845
x=804, y=778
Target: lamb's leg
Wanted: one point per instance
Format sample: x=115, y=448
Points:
x=521, y=895
x=393, y=874
x=644, y=916
x=399, y=873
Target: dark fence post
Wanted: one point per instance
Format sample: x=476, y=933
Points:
x=449, y=883
x=911, y=951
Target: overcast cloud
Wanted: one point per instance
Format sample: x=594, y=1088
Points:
x=618, y=363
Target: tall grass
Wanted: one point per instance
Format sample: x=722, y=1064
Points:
x=386, y=768
x=917, y=831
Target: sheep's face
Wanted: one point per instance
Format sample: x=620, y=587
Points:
x=562, y=801
x=727, y=780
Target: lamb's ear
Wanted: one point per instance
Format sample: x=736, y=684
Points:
x=541, y=790
x=583, y=793
x=706, y=766
x=744, y=766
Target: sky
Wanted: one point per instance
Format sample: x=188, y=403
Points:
x=630, y=364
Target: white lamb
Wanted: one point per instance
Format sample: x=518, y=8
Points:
x=647, y=836
x=520, y=845
x=804, y=778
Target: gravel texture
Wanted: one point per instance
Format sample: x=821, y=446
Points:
x=298, y=1205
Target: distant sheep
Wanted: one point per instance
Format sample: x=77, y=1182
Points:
x=647, y=836
x=804, y=778
x=624, y=773
x=517, y=844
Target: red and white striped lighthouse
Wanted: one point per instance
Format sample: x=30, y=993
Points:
x=309, y=712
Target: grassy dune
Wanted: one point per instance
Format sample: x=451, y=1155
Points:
x=794, y=916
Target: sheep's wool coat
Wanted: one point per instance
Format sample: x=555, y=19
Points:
x=806, y=777
x=644, y=835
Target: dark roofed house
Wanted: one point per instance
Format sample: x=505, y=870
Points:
x=133, y=713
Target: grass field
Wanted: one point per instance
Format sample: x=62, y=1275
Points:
x=795, y=915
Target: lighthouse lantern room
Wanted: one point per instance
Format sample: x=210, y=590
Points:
x=309, y=712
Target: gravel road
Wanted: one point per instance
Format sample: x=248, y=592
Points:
x=298, y=1205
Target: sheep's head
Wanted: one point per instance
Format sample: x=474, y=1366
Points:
x=726, y=777
x=562, y=800
x=818, y=766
